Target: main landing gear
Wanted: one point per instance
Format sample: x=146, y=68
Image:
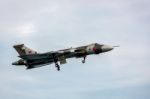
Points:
x=57, y=66
x=56, y=63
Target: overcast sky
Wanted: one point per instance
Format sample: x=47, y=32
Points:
x=47, y=25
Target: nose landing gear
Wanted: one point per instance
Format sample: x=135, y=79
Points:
x=83, y=61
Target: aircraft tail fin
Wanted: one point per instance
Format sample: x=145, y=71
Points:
x=23, y=50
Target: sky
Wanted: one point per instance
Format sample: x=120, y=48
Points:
x=49, y=25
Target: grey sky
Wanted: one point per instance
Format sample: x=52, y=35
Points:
x=51, y=25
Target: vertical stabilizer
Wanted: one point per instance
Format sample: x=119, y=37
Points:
x=23, y=50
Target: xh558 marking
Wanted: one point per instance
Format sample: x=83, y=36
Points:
x=32, y=59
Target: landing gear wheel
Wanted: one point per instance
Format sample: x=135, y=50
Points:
x=83, y=61
x=57, y=66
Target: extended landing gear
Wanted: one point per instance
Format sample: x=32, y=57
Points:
x=56, y=63
x=83, y=61
x=57, y=66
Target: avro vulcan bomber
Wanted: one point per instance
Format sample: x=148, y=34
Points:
x=32, y=59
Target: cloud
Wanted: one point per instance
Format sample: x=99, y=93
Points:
x=26, y=29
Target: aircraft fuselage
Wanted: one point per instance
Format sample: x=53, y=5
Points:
x=32, y=59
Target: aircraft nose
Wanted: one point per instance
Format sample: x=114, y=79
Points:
x=106, y=48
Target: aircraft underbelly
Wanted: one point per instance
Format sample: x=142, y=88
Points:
x=39, y=61
x=44, y=61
